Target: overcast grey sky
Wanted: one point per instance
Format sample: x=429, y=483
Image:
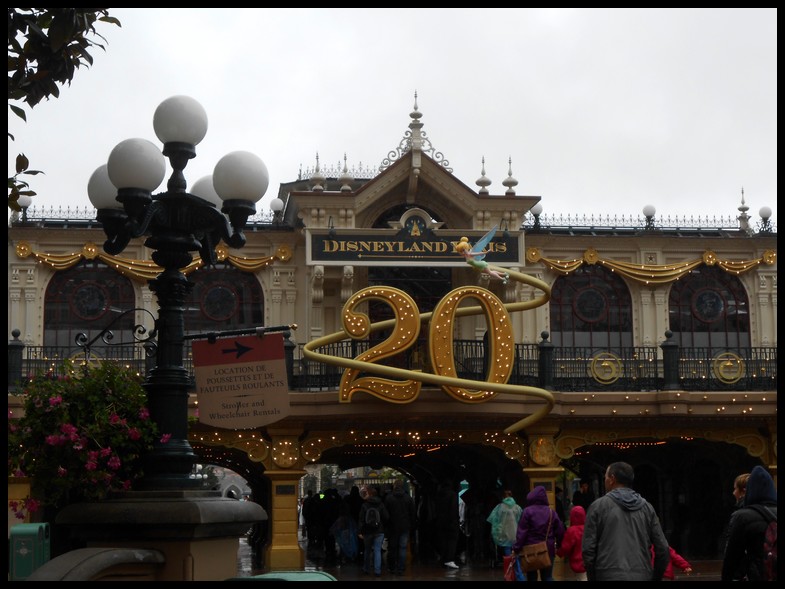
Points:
x=602, y=111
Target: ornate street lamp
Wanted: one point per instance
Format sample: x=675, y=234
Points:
x=176, y=223
x=765, y=219
x=648, y=212
x=536, y=210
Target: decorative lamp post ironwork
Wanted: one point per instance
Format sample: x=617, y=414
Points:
x=276, y=206
x=765, y=219
x=24, y=203
x=648, y=212
x=176, y=223
x=536, y=210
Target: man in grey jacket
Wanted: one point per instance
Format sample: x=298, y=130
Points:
x=620, y=529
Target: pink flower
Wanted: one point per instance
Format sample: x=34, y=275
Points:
x=55, y=401
x=69, y=429
x=144, y=413
x=134, y=434
x=105, y=452
x=114, y=419
x=165, y=438
x=114, y=463
x=54, y=440
x=62, y=472
x=89, y=465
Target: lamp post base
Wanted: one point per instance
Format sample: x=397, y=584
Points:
x=197, y=531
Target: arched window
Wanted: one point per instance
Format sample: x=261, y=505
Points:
x=86, y=299
x=709, y=308
x=591, y=307
x=223, y=298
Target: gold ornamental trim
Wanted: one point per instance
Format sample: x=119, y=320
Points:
x=146, y=270
x=590, y=256
x=650, y=274
x=606, y=368
x=728, y=367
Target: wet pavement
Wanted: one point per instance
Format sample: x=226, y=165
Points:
x=703, y=570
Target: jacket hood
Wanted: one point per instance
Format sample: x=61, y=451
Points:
x=537, y=496
x=627, y=498
x=577, y=516
x=509, y=501
x=760, y=487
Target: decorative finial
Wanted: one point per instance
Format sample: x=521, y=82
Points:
x=744, y=218
x=346, y=178
x=415, y=114
x=317, y=178
x=510, y=182
x=483, y=181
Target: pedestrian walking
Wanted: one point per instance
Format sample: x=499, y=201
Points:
x=621, y=528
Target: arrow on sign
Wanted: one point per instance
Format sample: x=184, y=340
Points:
x=239, y=349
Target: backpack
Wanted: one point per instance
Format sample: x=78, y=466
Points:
x=769, y=543
x=373, y=518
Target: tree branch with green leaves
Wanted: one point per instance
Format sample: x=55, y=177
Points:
x=45, y=48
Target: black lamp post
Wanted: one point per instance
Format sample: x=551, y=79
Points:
x=24, y=203
x=176, y=224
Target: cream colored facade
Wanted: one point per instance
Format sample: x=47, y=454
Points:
x=300, y=288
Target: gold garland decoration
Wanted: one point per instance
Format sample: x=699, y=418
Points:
x=146, y=270
x=650, y=273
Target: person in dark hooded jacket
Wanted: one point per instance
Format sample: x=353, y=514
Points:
x=747, y=529
x=620, y=530
x=533, y=526
x=403, y=520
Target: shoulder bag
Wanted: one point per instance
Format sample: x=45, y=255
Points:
x=536, y=556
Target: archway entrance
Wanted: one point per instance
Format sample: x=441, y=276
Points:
x=689, y=483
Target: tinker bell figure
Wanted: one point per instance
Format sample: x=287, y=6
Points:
x=474, y=255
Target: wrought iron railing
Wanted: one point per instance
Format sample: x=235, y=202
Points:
x=567, y=369
x=745, y=369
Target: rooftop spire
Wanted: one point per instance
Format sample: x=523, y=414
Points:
x=483, y=181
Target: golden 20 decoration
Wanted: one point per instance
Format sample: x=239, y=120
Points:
x=398, y=385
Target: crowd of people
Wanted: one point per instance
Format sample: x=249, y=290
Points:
x=614, y=537
x=353, y=528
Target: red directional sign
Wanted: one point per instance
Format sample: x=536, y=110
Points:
x=241, y=382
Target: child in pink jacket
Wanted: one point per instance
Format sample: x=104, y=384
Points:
x=570, y=547
x=677, y=560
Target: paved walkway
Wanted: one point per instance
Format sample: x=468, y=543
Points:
x=703, y=570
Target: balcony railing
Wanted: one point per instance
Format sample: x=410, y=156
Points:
x=558, y=369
